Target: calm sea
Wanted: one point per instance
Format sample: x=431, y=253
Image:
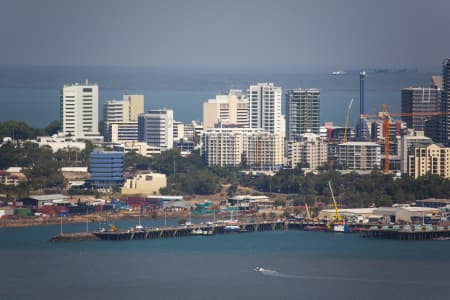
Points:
x=300, y=265
x=32, y=93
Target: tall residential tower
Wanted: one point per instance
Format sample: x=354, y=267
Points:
x=303, y=112
x=265, y=108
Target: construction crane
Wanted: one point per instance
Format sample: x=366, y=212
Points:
x=347, y=117
x=308, y=213
x=387, y=117
x=338, y=217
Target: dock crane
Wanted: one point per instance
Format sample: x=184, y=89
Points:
x=308, y=213
x=338, y=215
x=387, y=117
x=338, y=224
x=347, y=117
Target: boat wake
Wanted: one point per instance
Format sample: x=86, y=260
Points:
x=267, y=272
x=273, y=273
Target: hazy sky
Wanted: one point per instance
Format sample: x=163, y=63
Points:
x=254, y=33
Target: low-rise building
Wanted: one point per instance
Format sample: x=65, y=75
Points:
x=56, y=143
x=146, y=183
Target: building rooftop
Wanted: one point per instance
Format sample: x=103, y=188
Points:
x=49, y=197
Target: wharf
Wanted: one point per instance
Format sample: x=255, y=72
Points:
x=181, y=231
x=74, y=237
x=408, y=232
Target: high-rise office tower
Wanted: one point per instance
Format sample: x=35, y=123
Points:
x=265, y=107
x=445, y=107
x=120, y=118
x=303, y=112
x=422, y=100
x=230, y=109
x=79, y=110
x=156, y=128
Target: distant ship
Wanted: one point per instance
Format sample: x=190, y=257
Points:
x=338, y=73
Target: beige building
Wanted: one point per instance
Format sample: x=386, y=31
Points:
x=121, y=117
x=178, y=131
x=311, y=149
x=146, y=184
x=406, y=145
x=264, y=151
x=260, y=150
x=229, y=109
x=429, y=159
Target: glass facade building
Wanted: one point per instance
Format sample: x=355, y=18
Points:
x=106, y=169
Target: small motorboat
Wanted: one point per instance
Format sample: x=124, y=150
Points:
x=259, y=269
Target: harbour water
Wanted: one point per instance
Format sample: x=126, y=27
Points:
x=32, y=93
x=298, y=265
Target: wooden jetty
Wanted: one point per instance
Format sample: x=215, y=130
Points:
x=408, y=232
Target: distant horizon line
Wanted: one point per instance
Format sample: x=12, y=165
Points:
x=241, y=68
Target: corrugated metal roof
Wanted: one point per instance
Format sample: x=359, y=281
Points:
x=49, y=197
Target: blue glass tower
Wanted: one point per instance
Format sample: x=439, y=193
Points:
x=106, y=169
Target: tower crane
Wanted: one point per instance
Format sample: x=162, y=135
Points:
x=387, y=117
x=347, y=117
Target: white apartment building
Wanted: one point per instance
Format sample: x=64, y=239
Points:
x=229, y=109
x=79, y=110
x=257, y=149
x=310, y=149
x=120, y=118
x=155, y=128
x=359, y=155
x=429, y=159
x=265, y=108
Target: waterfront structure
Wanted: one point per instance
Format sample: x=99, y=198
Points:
x=144, y=184
x=156, y=128
x=309, y=149
x=422, y=100
x=445, y=101
x=359, y=155
x=79, y=110
x=303, y=112
x=265, y=108
x=429, y=159
x=230, y=109
x=106, y=169
x=252, y=148
x=120, y=118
